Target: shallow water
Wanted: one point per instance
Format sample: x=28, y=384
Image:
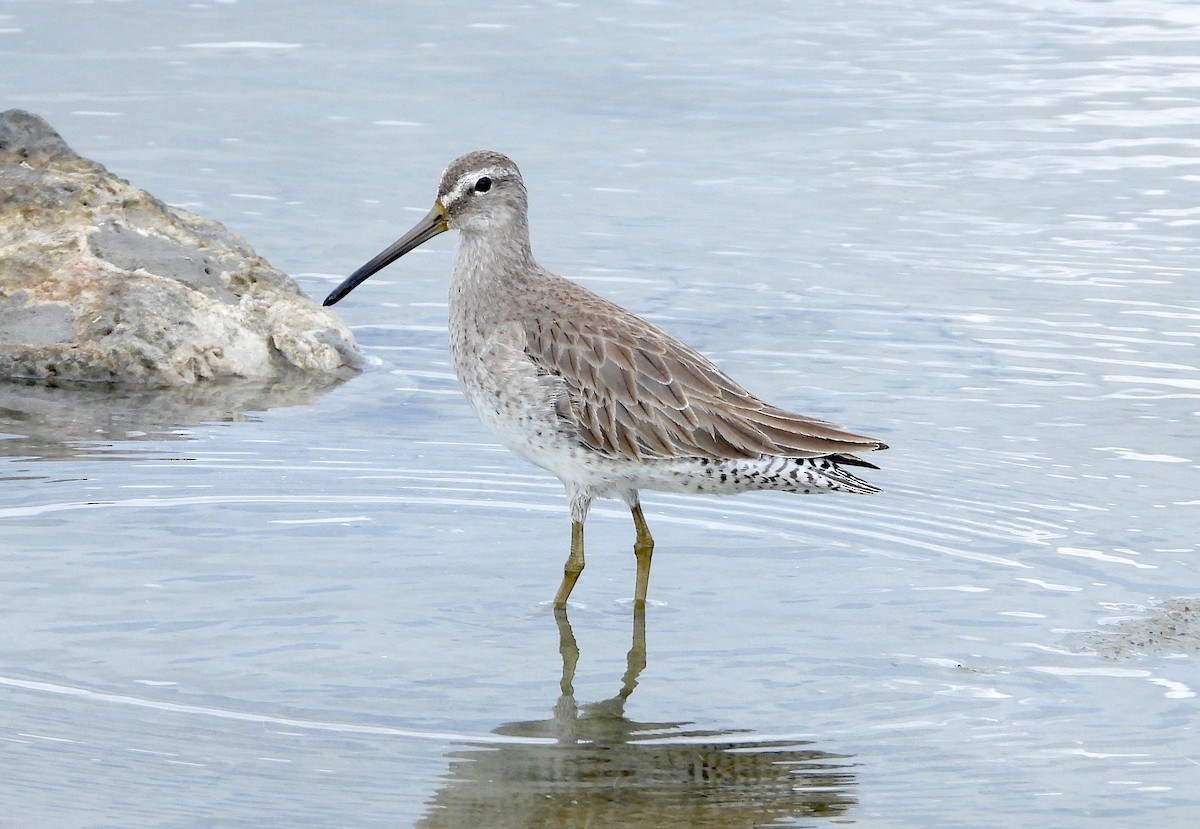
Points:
x=968, y=228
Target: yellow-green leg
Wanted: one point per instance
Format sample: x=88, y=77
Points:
x=573, y=567
x=643, y=549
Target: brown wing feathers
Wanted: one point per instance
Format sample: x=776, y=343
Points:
x=637, y=392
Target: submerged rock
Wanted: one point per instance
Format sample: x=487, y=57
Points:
x=100, y=281
x=1167, y=628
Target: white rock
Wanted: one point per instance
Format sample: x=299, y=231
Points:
x=100, y=281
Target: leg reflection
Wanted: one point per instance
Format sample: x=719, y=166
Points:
x=568, y=649
x=612, y=708
x=566, y=711
x=635, y=661
x=591, y=765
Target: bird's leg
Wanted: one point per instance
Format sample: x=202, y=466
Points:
x=643, y=549
x=580, y=504
x=573, y=567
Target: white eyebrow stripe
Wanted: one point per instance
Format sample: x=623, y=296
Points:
x=467, y=182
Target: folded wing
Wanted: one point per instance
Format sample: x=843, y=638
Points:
x=639, y=393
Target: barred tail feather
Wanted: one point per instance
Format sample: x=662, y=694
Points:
x=841, y=480
x=732, y=475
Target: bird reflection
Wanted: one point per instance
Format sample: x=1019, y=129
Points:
x=602, y=769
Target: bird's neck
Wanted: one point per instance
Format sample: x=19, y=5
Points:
x=492, y=266
x=493, y=255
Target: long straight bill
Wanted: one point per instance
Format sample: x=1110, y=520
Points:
x=424, y=230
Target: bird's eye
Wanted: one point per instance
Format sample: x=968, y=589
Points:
x=483, y=185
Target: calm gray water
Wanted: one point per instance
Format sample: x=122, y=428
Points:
x=969, y=228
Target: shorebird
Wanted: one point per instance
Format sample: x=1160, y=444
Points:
x=607, y=402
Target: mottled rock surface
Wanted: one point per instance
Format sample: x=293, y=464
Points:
x=100, y=281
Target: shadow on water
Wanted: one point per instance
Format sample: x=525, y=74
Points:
x=61, y=422
x=604, y=769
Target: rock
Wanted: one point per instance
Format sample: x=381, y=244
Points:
x=100, y=281
x=1170, y=627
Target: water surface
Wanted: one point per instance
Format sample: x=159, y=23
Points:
x=967, y=228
